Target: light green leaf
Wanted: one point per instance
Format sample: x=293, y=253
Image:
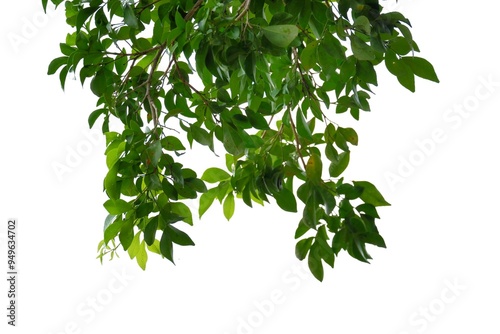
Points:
x=228, y=206
x=214, y=175
x=281, y=35
x=206, y=201
x=142, y=256
x=314, y=168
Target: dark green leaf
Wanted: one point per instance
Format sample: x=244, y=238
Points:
x=95, y=115
x=116, y=207
x=56, y=63
x=302, y=248
x=315, y=264
x=166, y=246
x=178, y=237
x=421, y=68
x=286, y=200
x=257, y=120
x=150, y=231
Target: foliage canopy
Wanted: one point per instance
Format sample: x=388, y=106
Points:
x=262, y=77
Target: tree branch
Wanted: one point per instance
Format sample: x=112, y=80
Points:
x=193, y=10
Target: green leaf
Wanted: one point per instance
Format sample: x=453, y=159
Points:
x=301, y=230
x=111, y=184
x=332, y=47
x=134, y=246
x=171, y=143
x=281, y=35
x=150, y=231
x=154, y=153
x=113, y=155
x=339, y=165
x=368, y=209
x=360, y=49
x=421, y=68
x=370, y=194
x=166, y=246
x=315, y=264
x=232, y=141
x=129, y=16
x=178, y=237
x=95, y=115
x=349, y=134
x=362, y=22
x=83, y=15
x=286, y=200
x=302, y=248
x=257, y=120
x=116, y=207
x=56, y=63
x=228, y=206
x=302, y=127
x=183, y=211
x=112, y=227
x=309, y=56
x=126, y=235
x=314, y=168
x=142, y=256
x=206, y=201
x=202, y=136
x=401, y=70
x=214, y=174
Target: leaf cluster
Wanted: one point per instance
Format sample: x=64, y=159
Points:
x=264, y=78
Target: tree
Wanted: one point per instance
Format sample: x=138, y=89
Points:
x=263, y=80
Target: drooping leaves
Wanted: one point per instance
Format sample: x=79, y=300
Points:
x=272, y=77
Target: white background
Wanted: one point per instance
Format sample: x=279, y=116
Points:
x=438, y=275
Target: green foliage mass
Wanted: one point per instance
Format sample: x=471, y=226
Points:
x=264, y=78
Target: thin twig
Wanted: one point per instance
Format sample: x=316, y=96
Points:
x=245, y=6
